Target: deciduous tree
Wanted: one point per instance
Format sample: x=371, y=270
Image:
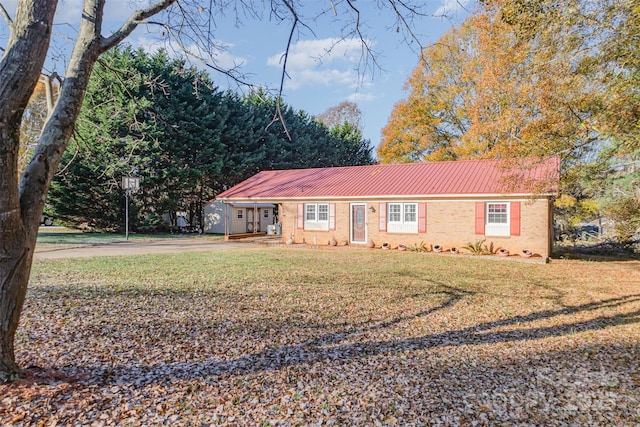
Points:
x=22, y=199
x=346, y=111
x=429, y=123
x=522, y=78
x=34, y=118
x=21, y=203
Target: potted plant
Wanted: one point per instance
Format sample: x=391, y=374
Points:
x=401, y=247
x=503, y=252
x=437, y=248
x=526, y=253
x=455, y=250
x=386, y=245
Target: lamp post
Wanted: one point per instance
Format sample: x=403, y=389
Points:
x=129, y=184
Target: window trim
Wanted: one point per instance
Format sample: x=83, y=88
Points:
x=493, y=228
x=402, y=226
x=414, y=213
x=391, y=213
x=310, y=215
x=324, y=212
x=315, y=223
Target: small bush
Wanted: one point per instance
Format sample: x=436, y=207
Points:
x=422, y=247
x=480, y=248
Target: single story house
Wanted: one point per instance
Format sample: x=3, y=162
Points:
x=450, y=204
x=238, y=217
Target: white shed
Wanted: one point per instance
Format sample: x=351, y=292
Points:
x=238, y=218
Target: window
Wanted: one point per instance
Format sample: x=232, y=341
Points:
x=496, y=213
x=240, y=213
x=395, y=212
x=323, y=212
x=316, y=216
x=266, y=213
x=410, y=213
x=402, y=217
x=497, y=219
x=310, y=210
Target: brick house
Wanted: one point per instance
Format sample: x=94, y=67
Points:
x=449, y=204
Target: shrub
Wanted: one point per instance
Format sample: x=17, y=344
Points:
x=422, y=247
x=626, y=214
x=480, y=248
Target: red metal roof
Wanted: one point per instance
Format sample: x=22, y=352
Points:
x=431, y=179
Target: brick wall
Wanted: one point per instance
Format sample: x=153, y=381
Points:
x=448, y=223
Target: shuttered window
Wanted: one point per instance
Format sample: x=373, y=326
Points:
x=402, y=217
x=316, y=216
x=498, y=218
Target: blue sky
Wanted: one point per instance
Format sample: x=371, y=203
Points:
x=317, y=80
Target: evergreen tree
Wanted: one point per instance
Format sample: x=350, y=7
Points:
x=152, y=117
x=145, y=116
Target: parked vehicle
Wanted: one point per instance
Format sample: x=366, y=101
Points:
x=46, y=220
x=587, y=232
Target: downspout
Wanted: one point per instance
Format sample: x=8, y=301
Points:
x=226, y=221
x=550, y=236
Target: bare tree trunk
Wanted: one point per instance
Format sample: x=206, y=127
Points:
x=21, y=204
x=19, y=71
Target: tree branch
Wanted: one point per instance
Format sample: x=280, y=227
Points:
x=285, y=56
x=231, y=73
x=6, y=17
x=134, y=20
x=368, y=51
x=406, y=25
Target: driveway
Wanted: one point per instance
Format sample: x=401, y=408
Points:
x=142, y=247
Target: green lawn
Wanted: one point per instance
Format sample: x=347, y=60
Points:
x=283, y=336
x=53, y=238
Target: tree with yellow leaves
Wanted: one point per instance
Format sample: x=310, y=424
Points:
x=521, y=78
x=34, y=118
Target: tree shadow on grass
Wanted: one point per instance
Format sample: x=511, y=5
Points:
x=606, y=251
x=339, y=347
x=453, y=295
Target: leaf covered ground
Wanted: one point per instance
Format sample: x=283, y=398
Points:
x=278, y=336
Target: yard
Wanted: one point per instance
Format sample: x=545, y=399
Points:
x=282, y=336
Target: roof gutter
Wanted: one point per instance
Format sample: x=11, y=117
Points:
x=389, y=197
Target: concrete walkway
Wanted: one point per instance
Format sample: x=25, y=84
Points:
x=143, y=247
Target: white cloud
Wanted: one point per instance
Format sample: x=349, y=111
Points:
x=220, y=54
x=326, y=62
x=363, y=97
x=226, y=60
x=451, y=8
